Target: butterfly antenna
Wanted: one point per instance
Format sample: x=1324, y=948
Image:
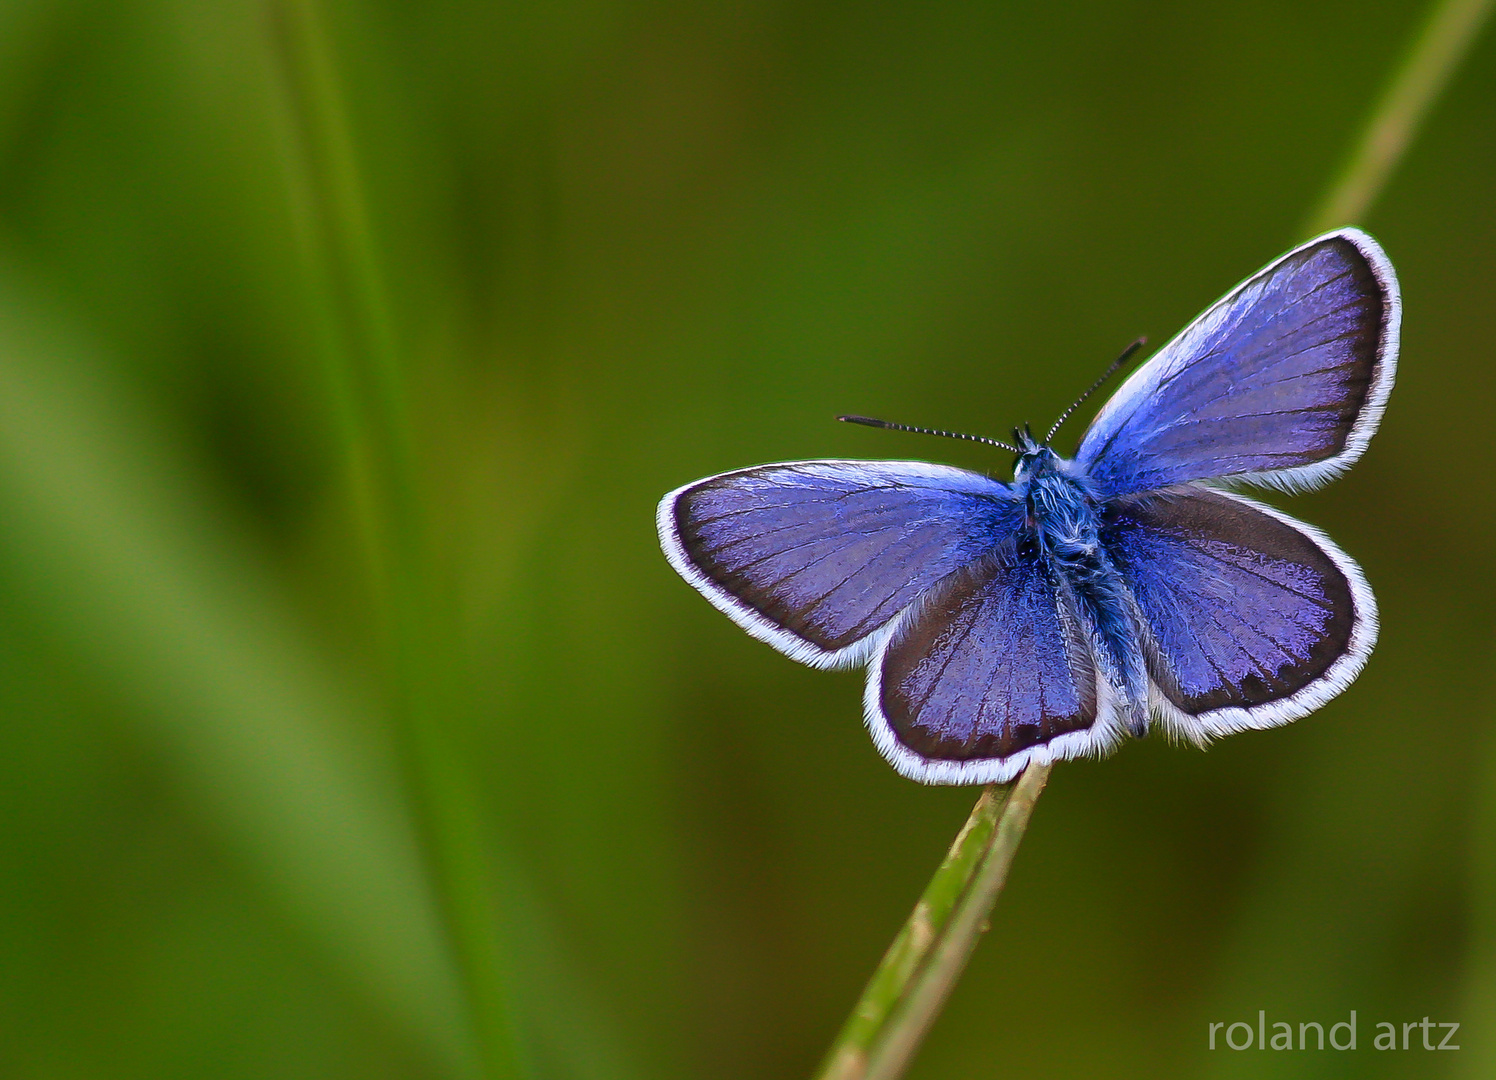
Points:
x=1095, y=386
x=868, y=421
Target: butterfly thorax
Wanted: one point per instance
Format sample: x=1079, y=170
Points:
x=1062, y=519
x=1062, y=526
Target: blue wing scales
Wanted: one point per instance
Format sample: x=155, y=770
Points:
x=1250, y=618
x=992, y=669
x=1282, y=382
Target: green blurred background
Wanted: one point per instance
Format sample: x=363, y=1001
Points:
x=583, y=252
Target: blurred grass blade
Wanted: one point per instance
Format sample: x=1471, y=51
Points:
x=922, y=965
x=123, y=554
x=418, y=623
x=1447, y=37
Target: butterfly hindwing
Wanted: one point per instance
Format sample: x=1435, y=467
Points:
x=1282, y=381
x=1251, y=619
x=816, y=557
x=989, y=670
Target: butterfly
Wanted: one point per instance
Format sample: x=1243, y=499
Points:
x=1092, y=597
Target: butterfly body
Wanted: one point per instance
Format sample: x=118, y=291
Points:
x=1092, y=597
x=1063, y=531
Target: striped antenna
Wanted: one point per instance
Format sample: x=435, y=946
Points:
x=868, y=421
x=1095, y=386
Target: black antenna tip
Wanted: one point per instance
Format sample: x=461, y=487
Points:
x=866, y=421
x=1105, y=375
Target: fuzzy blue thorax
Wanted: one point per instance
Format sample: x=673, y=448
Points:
x=1063, y=525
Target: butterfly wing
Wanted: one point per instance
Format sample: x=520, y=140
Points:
x=1250, y=618
x=816, y=557
x=1282, y=382
x=991, y=670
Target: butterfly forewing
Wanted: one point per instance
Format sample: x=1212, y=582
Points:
x=815, y=557
x=1283, y=381
x=1252, y=619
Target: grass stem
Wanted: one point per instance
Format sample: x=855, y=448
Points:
x=929, y=953
x=1452, y=28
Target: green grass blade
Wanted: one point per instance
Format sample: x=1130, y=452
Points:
x=929, y=953
x=928, y=992
x=848, y=1056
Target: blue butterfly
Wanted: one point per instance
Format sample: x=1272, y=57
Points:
x=1047, y=618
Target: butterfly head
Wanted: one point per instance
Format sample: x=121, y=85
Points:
x=1035, y=458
